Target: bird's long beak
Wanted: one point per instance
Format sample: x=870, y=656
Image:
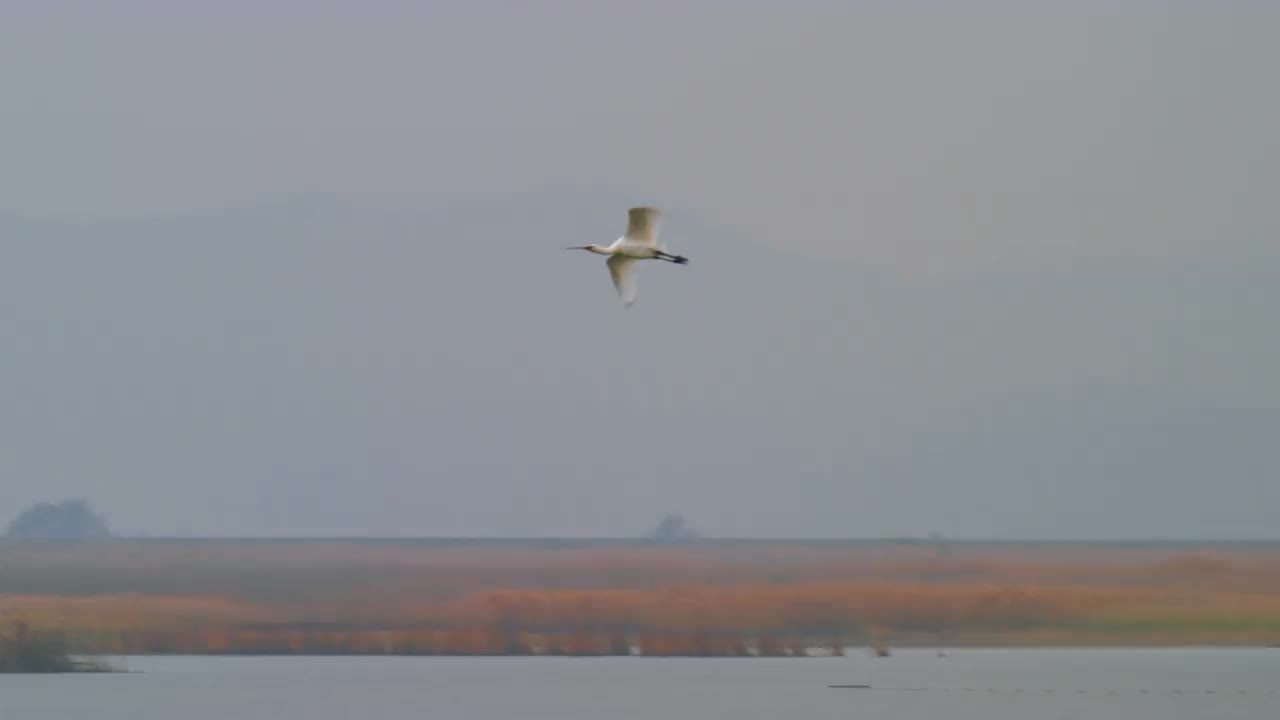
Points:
x=578, y=247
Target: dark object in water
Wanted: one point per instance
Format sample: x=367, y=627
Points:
x=23, y=650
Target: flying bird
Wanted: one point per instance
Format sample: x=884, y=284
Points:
x=639, y=243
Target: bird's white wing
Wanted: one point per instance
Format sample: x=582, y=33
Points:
x=642, y=226
x=623, y=271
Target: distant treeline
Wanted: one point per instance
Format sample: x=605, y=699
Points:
x=701, y=600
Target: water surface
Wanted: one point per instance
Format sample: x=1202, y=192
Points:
x=987, y=684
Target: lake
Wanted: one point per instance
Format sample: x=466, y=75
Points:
x=982, y=684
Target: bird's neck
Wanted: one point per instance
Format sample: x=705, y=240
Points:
x=598, y=250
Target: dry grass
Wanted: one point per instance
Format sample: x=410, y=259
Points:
x=701, y=599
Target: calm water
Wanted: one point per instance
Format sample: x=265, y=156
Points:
x=981, y=684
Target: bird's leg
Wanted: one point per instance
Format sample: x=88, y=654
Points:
x=677, y=259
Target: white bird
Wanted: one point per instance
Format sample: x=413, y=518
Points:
x=639, y=243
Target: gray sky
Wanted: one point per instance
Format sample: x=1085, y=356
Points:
x=990, y=269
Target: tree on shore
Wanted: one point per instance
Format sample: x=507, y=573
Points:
x=67, y=520
x=673, y=528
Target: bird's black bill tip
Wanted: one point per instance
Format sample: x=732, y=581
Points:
x=577, y=247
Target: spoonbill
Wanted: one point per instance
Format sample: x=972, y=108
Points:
x=639, y=243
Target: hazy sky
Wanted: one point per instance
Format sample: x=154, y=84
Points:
x=984, y=268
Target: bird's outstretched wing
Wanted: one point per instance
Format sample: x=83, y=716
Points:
x=642, y=225
x=623, y=271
